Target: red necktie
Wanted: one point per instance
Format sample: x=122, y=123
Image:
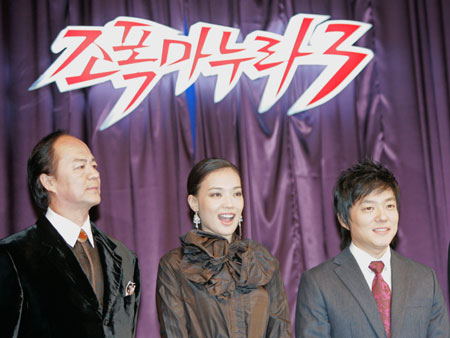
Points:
x=382, y=294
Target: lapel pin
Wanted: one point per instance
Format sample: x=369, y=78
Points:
x=130, y=288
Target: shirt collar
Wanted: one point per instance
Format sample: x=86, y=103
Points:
x=364, y=259
x=68, y=229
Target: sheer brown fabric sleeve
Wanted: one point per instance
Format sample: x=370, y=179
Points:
x=169, y=302
x=279, y=318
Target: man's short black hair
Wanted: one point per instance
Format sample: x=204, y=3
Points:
x=357, y=182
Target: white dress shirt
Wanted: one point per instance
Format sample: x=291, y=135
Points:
x=68, y=229
x=364, y=259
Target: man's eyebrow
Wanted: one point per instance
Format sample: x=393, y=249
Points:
x=372, y=201
x=85, y=160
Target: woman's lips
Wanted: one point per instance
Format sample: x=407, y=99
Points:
x=226, y=218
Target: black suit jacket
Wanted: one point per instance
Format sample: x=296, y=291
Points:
x=45, y=293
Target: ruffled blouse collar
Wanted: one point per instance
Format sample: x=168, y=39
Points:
x=223, y=267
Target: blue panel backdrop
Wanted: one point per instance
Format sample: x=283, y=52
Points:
x=396, y=111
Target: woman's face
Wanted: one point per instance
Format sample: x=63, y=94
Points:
x=219, y=202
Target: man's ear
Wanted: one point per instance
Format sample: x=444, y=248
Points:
x=48, y=182
x=342, y=223
x=193, y=202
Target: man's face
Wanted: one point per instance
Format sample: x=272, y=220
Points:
x=374, y=222
x=75, y=184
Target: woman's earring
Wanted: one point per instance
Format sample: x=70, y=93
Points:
x=196, y=220
x=240, y=226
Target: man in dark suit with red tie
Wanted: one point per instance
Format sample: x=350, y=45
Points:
x=369, y=290
x=63, y=277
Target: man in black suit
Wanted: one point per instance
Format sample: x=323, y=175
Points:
x=63, y=277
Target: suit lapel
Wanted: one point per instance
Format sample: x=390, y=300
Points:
x=350, y=274
x=59, y=254
x=112, y=267
x=400, y=289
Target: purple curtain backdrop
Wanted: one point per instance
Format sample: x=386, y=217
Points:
x=396, y=111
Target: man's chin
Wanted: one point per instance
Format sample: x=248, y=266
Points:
x=94, y=202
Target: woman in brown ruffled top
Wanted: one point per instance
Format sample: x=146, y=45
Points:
x=217, y=284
